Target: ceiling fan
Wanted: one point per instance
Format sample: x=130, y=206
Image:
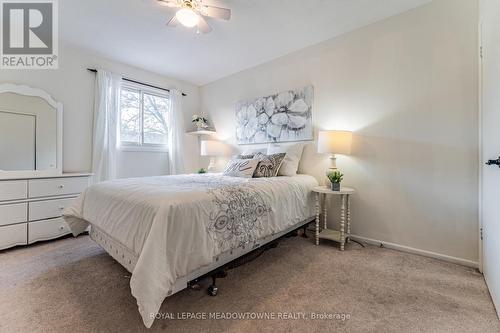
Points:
x=191, y=13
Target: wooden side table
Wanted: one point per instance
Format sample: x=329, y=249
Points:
x=345, y=215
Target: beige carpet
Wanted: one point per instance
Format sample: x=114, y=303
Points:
x=71, y=285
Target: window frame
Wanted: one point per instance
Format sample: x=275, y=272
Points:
x=141, y=146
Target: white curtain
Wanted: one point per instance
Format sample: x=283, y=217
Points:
x=176, y=134
x=106, y=122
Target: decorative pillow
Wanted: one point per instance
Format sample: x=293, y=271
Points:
x=254, y=151
x=241, y=168
x=268, y=165
x=293, y=155
x=245, y=157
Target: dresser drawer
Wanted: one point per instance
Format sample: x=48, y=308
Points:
x=56, y=186
x=13, y=235
x=16, y=213
x=47, y=229
x=13, y=189
x=41, y=210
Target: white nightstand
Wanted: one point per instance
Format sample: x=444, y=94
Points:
x=345, y=214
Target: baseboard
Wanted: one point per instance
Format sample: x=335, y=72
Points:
x=496, y=302
x=455, y=260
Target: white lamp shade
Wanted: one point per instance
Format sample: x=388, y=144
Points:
x=335, y=142
x=214, y=148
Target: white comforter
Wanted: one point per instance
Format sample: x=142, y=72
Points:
x=177, y=224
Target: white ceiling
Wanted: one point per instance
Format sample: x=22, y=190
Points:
x=134, y=32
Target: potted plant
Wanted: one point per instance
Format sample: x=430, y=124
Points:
x=200, y=122
x=335, y=178
x=202, y=170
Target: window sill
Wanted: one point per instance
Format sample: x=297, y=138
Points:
x=143, y=149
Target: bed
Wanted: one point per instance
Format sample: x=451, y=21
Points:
x=169, y=230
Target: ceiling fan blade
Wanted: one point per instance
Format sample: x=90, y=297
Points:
x=173, y=22
x=217, y=12
x=169, y=3
x=203, y=26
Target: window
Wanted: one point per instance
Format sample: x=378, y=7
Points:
x=143, y=118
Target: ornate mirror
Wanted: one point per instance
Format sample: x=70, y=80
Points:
x=30, y=132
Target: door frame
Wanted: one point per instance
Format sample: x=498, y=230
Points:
x=480, y=141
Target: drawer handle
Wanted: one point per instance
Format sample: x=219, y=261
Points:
x=61, y=227
x=61, y=208
x=61, y=186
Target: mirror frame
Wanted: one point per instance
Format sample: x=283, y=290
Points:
x=35, y=92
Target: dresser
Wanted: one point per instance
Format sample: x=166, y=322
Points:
x=31, y=208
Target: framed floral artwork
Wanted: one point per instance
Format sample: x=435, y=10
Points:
x=283, y=117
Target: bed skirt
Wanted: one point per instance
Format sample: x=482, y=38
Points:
x=128, y=259
x=118, y=251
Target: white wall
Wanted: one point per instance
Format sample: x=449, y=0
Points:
x=407, y=86
x=73, y=85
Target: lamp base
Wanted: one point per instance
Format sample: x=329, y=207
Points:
x=211, y=165
x=333, y=167
x=333, y=162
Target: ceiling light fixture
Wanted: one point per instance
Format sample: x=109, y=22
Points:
x=192, y=13
x=187, y=17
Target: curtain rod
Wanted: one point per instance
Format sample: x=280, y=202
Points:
x=93, y=70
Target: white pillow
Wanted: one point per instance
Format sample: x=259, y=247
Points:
x=293, y=155
x=241, y=168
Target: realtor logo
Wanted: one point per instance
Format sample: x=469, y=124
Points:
x=29, y=34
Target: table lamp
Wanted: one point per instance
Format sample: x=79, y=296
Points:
x=334, y=142
x=213, y=149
